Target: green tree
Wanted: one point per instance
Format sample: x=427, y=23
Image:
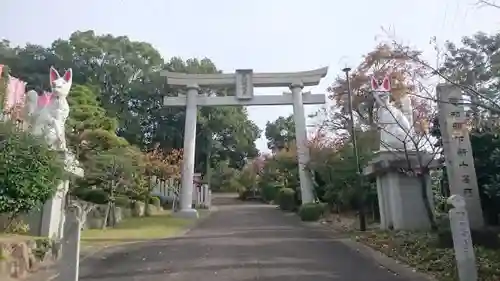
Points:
x=336, y=172
x=475, y=65
x=29, y=63
x=87, y=117
x=280, y=133
x=225, y=178
x=114, y=171
x=128, y=86
x=29, y=171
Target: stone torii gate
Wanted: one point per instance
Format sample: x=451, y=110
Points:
x=243, y=81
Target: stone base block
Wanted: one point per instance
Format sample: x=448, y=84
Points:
x=187, y=214
x=401, y=192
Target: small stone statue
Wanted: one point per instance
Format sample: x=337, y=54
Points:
x=395, y=127
x=47, y=114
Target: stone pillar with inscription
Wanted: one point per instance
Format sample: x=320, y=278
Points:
x=462, y=239
x=458, y=151
x=69, y=265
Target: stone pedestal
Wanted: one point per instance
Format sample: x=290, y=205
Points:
x=400, y=193
x=49, y=220
x=187, y=214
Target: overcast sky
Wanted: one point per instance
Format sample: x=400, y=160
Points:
x=265, y=35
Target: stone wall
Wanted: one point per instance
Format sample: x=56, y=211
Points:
x=21, y=255
x=96, y=216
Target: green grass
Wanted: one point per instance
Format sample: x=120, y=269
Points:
x=17, y=237
x=137, y=229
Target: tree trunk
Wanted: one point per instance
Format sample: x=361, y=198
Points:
x=111, y=199
x=113, y=215
x=106, y=216
x=10, y=221
x=427, y=205
x=362, y=217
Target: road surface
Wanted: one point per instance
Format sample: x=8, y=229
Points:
x=238, y=243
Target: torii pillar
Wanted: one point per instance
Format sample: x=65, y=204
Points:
x=243, y=81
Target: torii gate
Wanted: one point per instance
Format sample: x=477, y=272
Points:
x=244, y=80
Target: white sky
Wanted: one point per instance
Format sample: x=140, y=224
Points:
x=265, y=35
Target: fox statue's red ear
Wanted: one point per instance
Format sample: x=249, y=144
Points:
x=53, y=74
x=374, y=83
x=68, y=75
x=386, y=84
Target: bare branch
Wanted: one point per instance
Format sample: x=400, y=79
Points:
x=494, y=107
x=488, y=3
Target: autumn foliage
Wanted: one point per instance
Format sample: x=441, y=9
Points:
x=407, y=79
x=163, y=165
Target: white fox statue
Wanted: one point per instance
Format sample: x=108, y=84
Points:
x=395, y=134
x=47, y=114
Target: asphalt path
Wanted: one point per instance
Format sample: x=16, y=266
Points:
x=239, y=242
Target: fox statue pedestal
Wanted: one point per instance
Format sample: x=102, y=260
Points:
x=53, y=211
x=400, y=194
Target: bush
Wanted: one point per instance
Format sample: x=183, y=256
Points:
x=311, y=211
x=96, y=196
x=269, y=191
x=29, y=170
x=18, y=227
x=122, y=201
x=286, y=199
x=155, y=200
x=242, y=194
x=483, y=237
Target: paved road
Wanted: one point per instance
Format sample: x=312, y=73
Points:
x=240, y=243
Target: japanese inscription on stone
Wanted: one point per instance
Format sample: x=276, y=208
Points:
x=458, y=152
x=244, y=84
x=462, y=240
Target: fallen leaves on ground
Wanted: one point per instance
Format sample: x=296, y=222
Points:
x=418, y=250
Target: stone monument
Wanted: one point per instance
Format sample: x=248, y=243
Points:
x=46, y=116
x=400, y=169
x=458, y=151
x=462, y=239
x=243, y=82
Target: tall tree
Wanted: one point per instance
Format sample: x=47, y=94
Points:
x=475, y=65
x=130, y=89
x=280, y=133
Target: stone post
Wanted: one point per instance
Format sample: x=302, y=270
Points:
x=70, y=263
x=458, y=151
x=189, y=154
x=462, y=240
x=301, y=139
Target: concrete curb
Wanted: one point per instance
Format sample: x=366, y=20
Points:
x=52, y=276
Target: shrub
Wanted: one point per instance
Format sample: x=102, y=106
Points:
x=242, y=194
x=311, y=211
x=269, y=191
x=18, y=227
x=96, y=196
x=122, y=201
x=286, y=199
x=155, y=200
x=29, y=170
